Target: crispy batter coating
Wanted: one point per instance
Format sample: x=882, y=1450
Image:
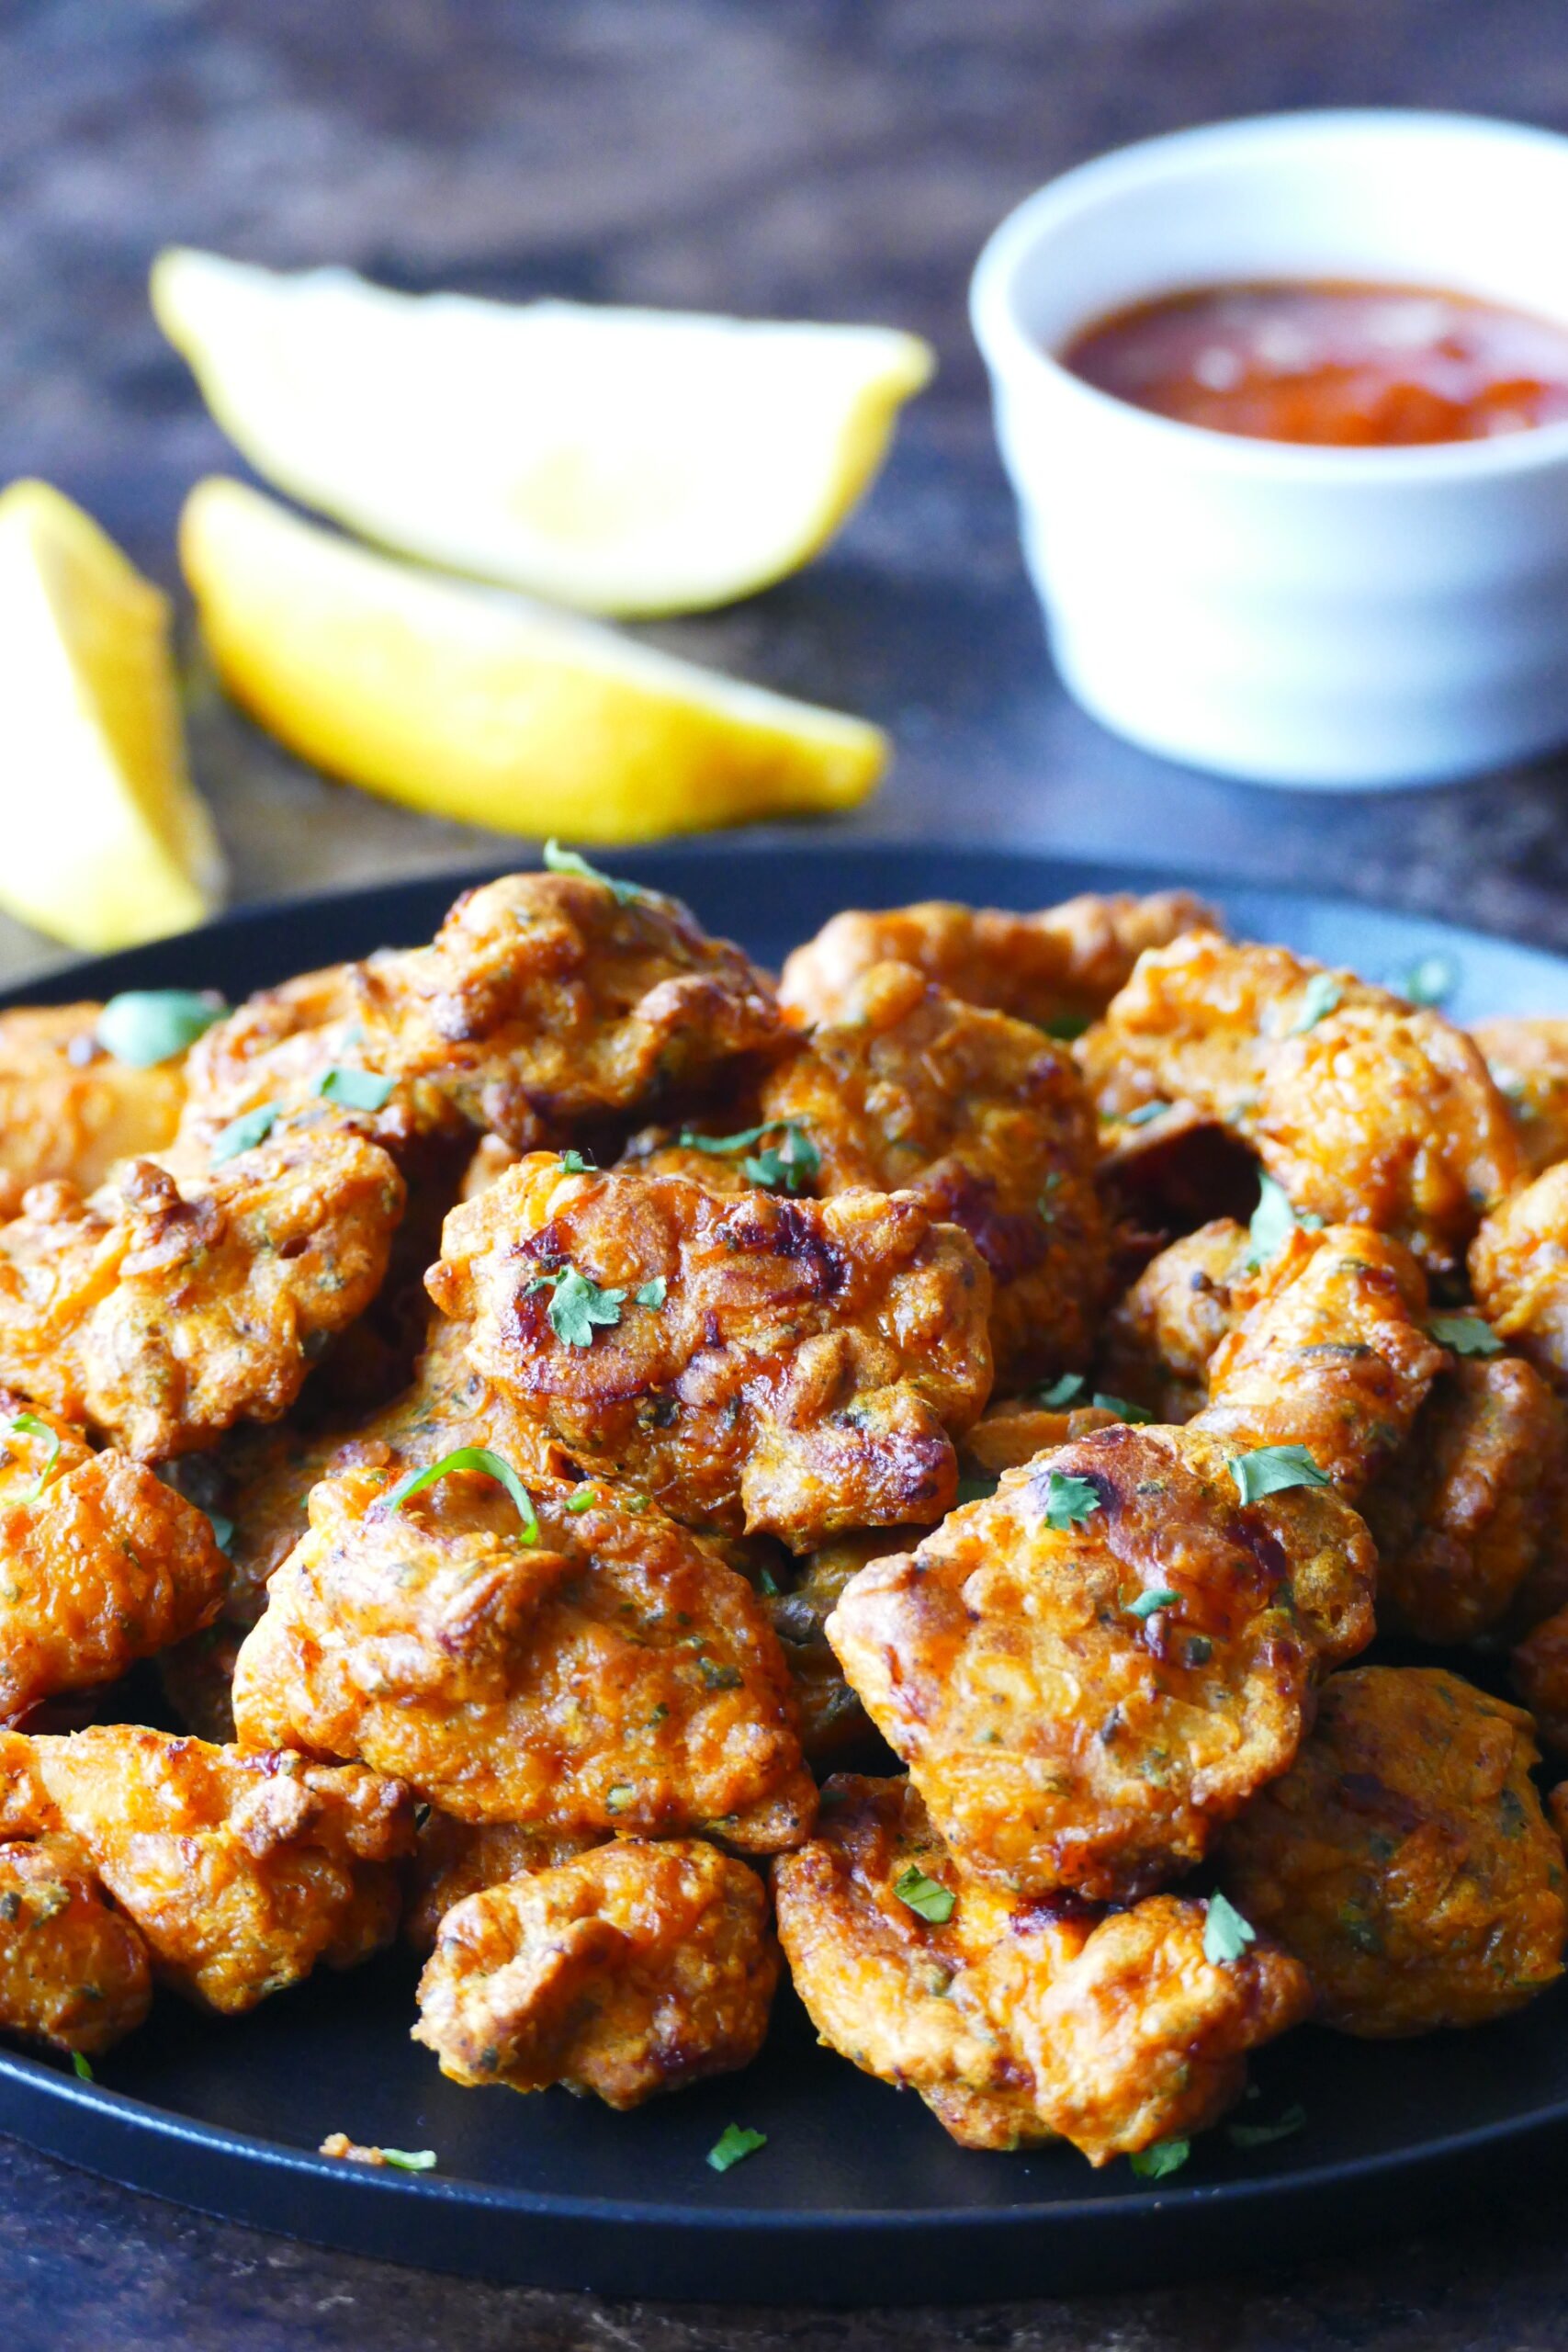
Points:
x=1332, y=1352
x=73, y=1971
x=613, y=1674
x=1404, y=1857
x=1365, y=1110
x=1529, y=1062
x=1540, y=1678
x=633, y=1969
x=989, y=1124
x=1471, y=1518
x=1016, y=2025
x=67, y=1108
x=100, y=1565
x=1160, y=1335
x=799, y=1375
x=160, y=1311
x=1063, y=1733
x=547, y=999
x=1519, y=1268
x=241, y=1871
x=453, y=1859
x=1059, y=966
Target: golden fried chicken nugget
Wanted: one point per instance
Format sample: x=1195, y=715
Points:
x=1404, y=1859
x=984, y=1120
x=1529, y=1062
x=611, y=1674
x=1058, y=968
x=635, y=1969
x=778, y=1366
x=453, y=1859
x=1365, y=1110
x=73, y=1971
x=68, y=1109
x=548, y=999
x=1159, y=1337
x=1331, y=1353
x=241, y=1871
x=1518, y=1269
x=1471, y=1517
x=1091, y=1671
x=1015, y=2023
x=160, y=1311
x=100, y=1564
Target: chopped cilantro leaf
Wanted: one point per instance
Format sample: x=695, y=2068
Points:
x=144, y=1026
x=584, y=1499
x=571, y=861
x=1067, y=1027
x=1272, y=1469
x=1068, y=1500
x=223, y=1529
x=29, y=1425
x=80, y=2067
x=580, y=1307
x=1226, y=1933
x=578, y=1163
x=1122, y=1407
x=1144, y=1114
x=926, y=1896
x=1061, y=1392
x=1162, y=1596
x=1273, y=1222
x=732, y=2144
x=1165, y=2156
x=471, y=1457
x=356, y=1089
x=1319, y=998
x=978, y=1489
x=1430, y=980
x=793, y=1161
x=243, y=1133
x=653, y=1294
x=1467, y=1335
x=1262, y=2135
x=410, y=2159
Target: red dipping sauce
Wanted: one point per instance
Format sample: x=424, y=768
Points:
x=1339, y=364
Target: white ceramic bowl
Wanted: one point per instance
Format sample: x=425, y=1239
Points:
x=1337, y=617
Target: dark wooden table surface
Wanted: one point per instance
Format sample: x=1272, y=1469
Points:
x=826, y=158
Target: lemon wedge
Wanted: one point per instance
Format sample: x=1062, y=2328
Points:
x=621, y=461
x=467, y=702
x=106, y=841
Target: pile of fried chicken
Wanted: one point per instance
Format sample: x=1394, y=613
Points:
x=550, y=1401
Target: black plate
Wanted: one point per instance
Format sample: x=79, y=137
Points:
x=859, y=2197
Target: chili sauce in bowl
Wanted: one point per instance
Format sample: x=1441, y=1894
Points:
x=1333, y=364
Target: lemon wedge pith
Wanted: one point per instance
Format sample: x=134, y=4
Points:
x=106, y=841
x=620, y=461
x=465, y=703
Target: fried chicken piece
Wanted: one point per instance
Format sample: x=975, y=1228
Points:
x=1529, y=1062
x=159, y=1312
x=830, y=1717
x=1518, y=1269
x=984, y=1121
x=73, y=1971
x=633, y=1969
x=1332, y=1352
x=1014, y=2024
x=240, y=1872
x=1060, y=967
x=1066, y=1729
x=613, y=1674
x=453, y=1858
x=1161, y=1334
x=100, y=1565
x=1404, y=1859
x=68, y=1109
x=547, y=1000
x=1471, y=1517
x=773, y=1366
x=1540, y=1678
x=1365, y=1110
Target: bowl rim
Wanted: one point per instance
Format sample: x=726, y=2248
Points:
x=1017, y=361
